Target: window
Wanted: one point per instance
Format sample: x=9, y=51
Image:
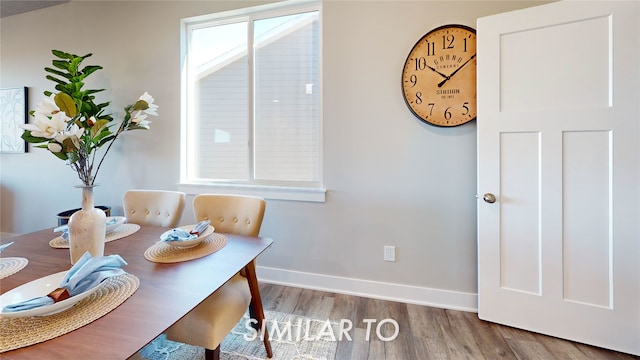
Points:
x=252, y=101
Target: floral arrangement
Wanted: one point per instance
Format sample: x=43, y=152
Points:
x=72, y=126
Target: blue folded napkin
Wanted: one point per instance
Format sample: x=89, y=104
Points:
x=178, y=234
x=64, y=229
x=87, y=273
x=4, y=246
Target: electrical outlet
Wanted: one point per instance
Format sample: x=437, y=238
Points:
x=389, y=253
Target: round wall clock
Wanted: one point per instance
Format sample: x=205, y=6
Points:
x=439, y=76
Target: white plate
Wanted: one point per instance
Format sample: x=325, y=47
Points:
x=112, y=227
x=187, y=243
x=37, y=288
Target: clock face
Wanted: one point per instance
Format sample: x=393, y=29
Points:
x=439, y=76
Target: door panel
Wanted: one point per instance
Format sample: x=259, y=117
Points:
x=565, y=54
x=558, y=145
x=586, y=250
x=520, y=229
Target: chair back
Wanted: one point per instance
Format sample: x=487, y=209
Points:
x=231, y=214
x=154, y=207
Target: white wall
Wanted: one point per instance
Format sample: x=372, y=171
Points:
x=391, y=179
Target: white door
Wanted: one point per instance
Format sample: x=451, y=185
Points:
x=558, y=146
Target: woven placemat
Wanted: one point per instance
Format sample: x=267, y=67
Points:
x=20, y=332
x=161, y=252
x=123, y=231
x=10, y=266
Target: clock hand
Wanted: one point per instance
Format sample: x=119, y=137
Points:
x=441, y=74
x=458, y=69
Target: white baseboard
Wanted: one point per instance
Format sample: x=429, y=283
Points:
x=372, y=289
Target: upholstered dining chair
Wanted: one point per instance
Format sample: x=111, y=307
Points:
x=154, y=207
x=209, y=323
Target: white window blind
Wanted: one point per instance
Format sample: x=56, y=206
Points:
x=253, y=117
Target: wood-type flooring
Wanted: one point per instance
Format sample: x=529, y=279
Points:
x=424, y=332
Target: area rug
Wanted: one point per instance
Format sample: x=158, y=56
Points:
x=293, y=337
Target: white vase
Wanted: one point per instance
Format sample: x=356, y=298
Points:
x=87, y=228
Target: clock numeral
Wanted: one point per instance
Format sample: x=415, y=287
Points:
x=465, y=44
x=419, y=97
x=431, y=105
x=431, y=48
x=447, y=114
x=413, y=80
x=466, y=108
x=421, y=63
x=447, y=39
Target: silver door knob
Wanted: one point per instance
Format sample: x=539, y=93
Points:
x=489, y=197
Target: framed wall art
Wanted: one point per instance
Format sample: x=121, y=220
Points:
x=13, y=113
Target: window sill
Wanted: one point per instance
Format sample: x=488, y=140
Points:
x=267, y=192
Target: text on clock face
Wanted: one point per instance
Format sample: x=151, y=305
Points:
x=447, y=91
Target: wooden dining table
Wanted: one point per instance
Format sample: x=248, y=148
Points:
x=167, y=291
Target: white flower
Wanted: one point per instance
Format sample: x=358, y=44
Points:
x=139, y=118
x=46, y=127
x=54, y=147
x=47, y=106
x=145, y=124
x=74, y=130
x=152, y=110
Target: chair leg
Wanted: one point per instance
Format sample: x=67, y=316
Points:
x=254, y=315
x=212, y=354
x=256, y=310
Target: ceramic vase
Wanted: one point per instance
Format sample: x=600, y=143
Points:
x=87, y=228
